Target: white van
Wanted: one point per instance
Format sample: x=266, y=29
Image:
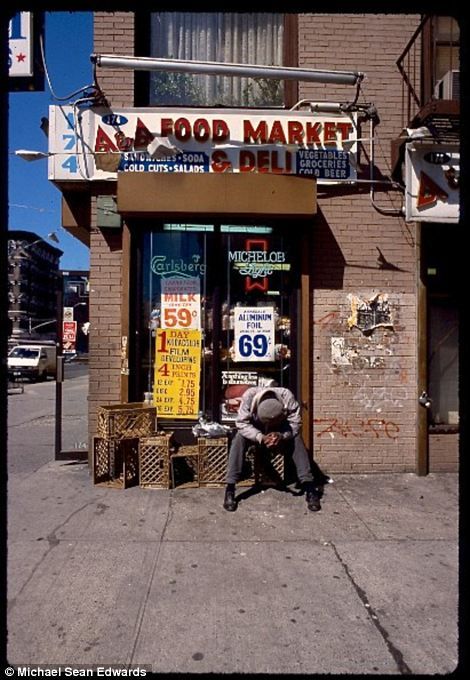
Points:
x=35, y=362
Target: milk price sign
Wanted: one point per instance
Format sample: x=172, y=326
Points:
x=309, y=144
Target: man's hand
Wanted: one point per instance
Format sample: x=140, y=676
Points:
x=271, y=440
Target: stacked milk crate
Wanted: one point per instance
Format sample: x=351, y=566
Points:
x=120, y=428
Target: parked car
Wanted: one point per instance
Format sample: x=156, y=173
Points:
x=34, y=362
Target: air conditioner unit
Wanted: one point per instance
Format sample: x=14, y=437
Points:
x=449, y=86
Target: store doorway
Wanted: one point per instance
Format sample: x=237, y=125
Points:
x=239, y=287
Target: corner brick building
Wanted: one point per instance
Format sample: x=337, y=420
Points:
x=368, y=300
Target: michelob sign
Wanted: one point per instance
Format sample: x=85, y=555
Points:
x=310, y=144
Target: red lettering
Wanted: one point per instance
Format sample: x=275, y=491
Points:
x=182, y=129
x=329, y=134
x=123, y=143
x=295, y=132
x=288, y=168
x=103, y=143
x=220, y=131
x=143, y=136
x=275, y=167
x=247, y=161
x=220, y=162
x=313, y=133
x=277, y=133
x=260, y=133
x=263, y=161
x=345, y=129
x=201, y=130
x=166, y=127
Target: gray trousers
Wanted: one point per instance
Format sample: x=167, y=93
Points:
x=294, y=447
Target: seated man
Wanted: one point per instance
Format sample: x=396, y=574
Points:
x=269, y=417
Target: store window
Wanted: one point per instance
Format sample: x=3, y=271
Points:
x=242, y=38
x=446, y=33
x=218, y=308
x=443, y=363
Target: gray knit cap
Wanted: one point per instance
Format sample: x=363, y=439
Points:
x=270, y=411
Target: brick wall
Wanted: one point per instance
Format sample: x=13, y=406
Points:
x=364, y=384
x=113, y=34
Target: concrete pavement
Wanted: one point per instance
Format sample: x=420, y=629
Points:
x=168, y=580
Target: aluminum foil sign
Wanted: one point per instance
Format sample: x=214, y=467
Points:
x=254, y=334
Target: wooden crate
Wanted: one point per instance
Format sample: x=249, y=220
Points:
x=115, y=462
x=185, y=467
x=213, y=455
x=126, y=420
x=154, y=461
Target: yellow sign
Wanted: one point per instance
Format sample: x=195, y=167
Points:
x=177, y=371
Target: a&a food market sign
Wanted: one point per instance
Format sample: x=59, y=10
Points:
x=105, y=142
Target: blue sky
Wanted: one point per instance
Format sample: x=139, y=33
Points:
x=34, y=202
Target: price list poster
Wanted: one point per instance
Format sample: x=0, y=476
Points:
x=177, y=372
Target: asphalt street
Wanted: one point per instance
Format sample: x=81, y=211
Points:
x=31, y=419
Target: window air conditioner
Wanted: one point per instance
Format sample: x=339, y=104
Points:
x=449, y=86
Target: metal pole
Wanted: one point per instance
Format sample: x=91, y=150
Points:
x=59, y=372
x=227, y=69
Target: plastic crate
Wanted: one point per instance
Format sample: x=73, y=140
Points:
x=154, y=461
x=126, y=420
x=213, y=455
x=115, y=462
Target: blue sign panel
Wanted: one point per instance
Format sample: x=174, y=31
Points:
x=330, y=164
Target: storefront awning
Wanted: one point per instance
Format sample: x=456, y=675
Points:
x=234, y=194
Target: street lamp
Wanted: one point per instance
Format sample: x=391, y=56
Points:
x=28, y=155
x=52, y=236
x=40, y=325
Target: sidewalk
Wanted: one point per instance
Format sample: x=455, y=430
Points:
x=171, y=581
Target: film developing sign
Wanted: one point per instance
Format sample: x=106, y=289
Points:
x=254, y=334
x=181, y=303
x=177, y=371
x=313, y=144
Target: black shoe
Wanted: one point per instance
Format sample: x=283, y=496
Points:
x=230, y=503
x=313, y=502
x=312, y=498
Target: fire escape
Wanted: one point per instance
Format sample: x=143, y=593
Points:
x=429, y=66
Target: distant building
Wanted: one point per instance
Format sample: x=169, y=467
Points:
x=33, y=280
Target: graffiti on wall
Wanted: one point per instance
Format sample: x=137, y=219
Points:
x=371, y=428
x=379, y=398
